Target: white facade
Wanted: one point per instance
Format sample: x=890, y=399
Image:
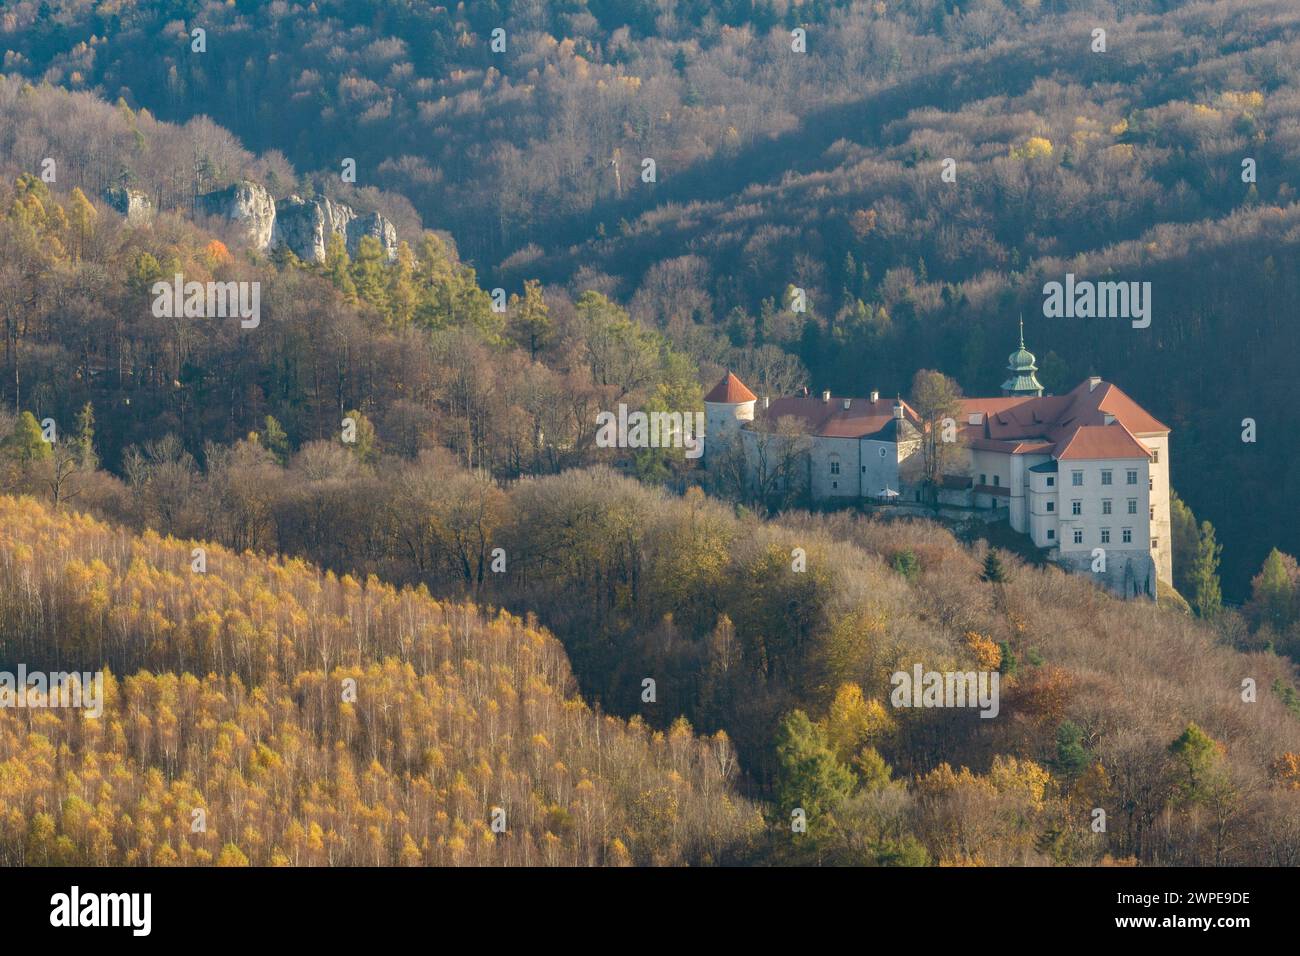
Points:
x=1084, y=475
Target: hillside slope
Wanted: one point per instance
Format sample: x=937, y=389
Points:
x=226, y=693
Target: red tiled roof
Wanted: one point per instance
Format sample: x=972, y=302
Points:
x=831, y=419
x=1101, y=441
x=730, y=390
x=1091, y=421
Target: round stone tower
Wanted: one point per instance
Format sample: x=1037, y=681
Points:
x=726, y=408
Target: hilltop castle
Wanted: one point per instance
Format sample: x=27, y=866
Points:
x=1085, y=474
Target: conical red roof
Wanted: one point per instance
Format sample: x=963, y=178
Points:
x=730, y=390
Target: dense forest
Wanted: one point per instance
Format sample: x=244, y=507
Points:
x=315, y=719
x=624, y=654
x=1105, y=704
x=819, y=169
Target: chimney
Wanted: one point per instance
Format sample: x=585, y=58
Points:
x=875, y=396
x=898, y=412
x=846, y=403
x=826, y=397
x=1094, y=382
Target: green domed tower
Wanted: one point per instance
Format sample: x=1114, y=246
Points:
x=1021, y=365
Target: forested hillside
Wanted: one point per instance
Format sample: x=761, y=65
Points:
x=1104, y=704
x=228, y=692
x=774, y=168
x=389, y=457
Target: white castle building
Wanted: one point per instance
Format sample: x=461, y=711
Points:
x=1085, y=474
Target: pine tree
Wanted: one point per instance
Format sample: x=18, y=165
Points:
x=337, y=267
x=1185, y=542
x=994, y=573
x=1273, y=591
x=85, y=442
x=530, y=320
x=1205, y=574
x=402, y=294
x=274, y=439
x=82, y=219
x=1071, y=756
x=1196, y=755
x=808, y=775
x=26, y=443
x=368, y=273
x=366, y=446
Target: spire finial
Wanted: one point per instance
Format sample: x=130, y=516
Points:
x=1022, y=330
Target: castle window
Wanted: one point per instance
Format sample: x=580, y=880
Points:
x=882, y=453
x=1132, y=476
x=984, y=479
x=835, y=484
x=835, y=466
x=1155, y=543
x=1051, y=534
x=1105, y=506
x=997, y=480
x=1105, y=535
x=1051, y=481
x=1051, y=506
x=1076, y=479
x=1076, y=507
x=1128, y=535
x=1151, y=512
x=1132, y=506
x=1151, y=484
x=1078, y=536
x=1105, y=477
x=1155, y=456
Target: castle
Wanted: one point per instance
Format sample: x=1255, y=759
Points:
x=1085, y=474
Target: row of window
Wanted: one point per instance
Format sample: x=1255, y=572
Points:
x=1076, y=478
x=1126, y=536
x=1076, y=507
x=1107, y=477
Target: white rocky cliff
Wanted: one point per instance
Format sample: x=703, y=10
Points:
x=304, y=226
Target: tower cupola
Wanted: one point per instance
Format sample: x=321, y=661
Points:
x=1023, y=368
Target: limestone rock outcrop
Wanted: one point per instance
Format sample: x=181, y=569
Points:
x=132, y=204
x=302, y=225
x=248, y=204
x=306, y=226
x=372, y=224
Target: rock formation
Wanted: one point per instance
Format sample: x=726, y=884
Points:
x=372, y=224
x=247, y=204
x=130, y=203
x=303, y=225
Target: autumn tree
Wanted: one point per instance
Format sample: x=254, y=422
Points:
x=936, y=398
